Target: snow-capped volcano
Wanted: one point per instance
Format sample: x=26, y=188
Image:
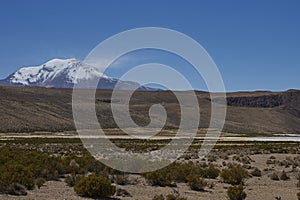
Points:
x=64, y=73
x=71, y=70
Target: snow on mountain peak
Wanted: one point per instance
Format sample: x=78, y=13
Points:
x=71, y=70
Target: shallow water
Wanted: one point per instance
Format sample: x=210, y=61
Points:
x=274, y=138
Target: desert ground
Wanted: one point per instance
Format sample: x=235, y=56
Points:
x=40, y=148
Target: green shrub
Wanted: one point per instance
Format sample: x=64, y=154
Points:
x=82, y=165
x=211, y=172
x=256, y=172
x=236, y=193
x=196, y=183
x=39, y=164
x=234, y=175
x=20, y=168
x=16, y=173
x=180, y=172
x=160, y=178
x=94, y=186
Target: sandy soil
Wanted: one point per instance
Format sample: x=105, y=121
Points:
x=51, y=190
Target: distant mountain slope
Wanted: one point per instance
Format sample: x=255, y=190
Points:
x=60, y=73
x=26, y=109
x=264, y=112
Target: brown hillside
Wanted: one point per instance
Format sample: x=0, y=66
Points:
x=27, y=109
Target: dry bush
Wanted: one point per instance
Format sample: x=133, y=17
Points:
x=121, y=179
x=160, y=178
x=39, y=182
x=168, y=197
x=274, y=177
x=71, y=180
x=158, y=197
x=234, y=175
x=236, y=193
x=211, y=172
x=196, y=183
x=298, y=184
x=94, y=186
x=284, y=176
x=256, y=172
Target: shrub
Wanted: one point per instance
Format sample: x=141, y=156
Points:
x=160, y=178
x=211, y=172
x=168, y=197
x=19, y=167
x=158, y=197
x=39, y=182
x=121, y=179
x=234, y=175
x=16, y=173
x=180, y=172
x=94, y=186
x=196, y=183
x=236, y=193
x=83, y=164
x=274, y=177
x=71, y=180
x=284, y=176
x=298, y=184
x=256, y=172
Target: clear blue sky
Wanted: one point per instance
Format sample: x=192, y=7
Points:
x=255, y=43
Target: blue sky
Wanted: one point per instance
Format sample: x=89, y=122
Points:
x=255, y=44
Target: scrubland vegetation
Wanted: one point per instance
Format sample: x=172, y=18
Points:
x=25, y=165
